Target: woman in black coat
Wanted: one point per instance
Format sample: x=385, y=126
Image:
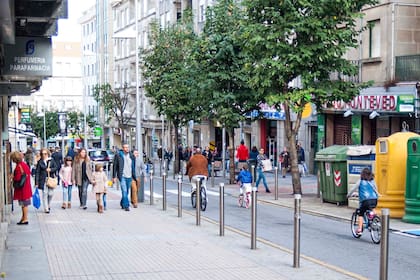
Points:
x=44, y=166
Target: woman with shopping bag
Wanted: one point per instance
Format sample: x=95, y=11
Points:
x=46, y=167
x=22, y=185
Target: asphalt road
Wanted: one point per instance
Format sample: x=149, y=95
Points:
x=327, y=240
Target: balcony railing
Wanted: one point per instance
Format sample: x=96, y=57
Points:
x=407, y=68
x=354, y=79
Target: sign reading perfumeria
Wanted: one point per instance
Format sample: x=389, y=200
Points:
x=29, y=56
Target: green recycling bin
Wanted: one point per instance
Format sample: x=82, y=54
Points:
x=412, y=187
x=333, y=174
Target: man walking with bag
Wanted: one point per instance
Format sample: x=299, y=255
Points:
x=124, y=170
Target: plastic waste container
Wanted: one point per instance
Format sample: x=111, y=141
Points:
x=359, y=157
x=390, y=177
x=412, y=187
x=333, y=174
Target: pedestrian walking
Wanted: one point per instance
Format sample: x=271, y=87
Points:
x=66, y=181
x=45, y=167
x=303, y=170
x=99, y=183
x=284, y=160
x=260, y=169
x=242, y=153
x=58, y=158
x=82, y=175
x=124, y=170
x=140, y=170
x=23, y=190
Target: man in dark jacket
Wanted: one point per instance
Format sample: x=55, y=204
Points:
x=125, y=170
x=58, y=158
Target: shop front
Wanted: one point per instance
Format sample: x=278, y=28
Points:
x=376, y=112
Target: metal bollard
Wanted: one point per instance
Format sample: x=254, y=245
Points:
x=151, y=187
x=383, y=268
x=179, y=195
x=222, y=209
x=198, y=202
x=296, y=236
x=164, y=191
x=140, y=193
x=212, y=174
x=276, y=183
x=160, y=167
x=254, y=219
x=253, y=173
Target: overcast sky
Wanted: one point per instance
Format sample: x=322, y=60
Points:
x=69, y=29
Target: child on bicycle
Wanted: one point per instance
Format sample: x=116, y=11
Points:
x=244, y=179
x=368, y=195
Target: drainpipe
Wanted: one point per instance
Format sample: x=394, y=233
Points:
x=392, y=41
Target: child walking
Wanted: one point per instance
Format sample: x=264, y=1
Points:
x=99, y=183
x=65, y=175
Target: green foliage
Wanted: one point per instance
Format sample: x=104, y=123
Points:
x=170, y=74
x=51, y=124
x=303, y=40
x=222, y=63
x=115, y=102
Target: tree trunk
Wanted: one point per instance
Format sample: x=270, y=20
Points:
x=231, y=148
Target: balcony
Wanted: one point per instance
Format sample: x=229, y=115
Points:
x=407, y=68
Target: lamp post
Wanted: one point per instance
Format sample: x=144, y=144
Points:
x=139, y=109
x=42, y=114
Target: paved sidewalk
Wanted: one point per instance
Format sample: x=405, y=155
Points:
x=145, y=243
x=149, y=243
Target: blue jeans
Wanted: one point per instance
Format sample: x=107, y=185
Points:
x=261, y=176
x=104, y=199
x=67, y=193
x=83, y=193
x=125, y=185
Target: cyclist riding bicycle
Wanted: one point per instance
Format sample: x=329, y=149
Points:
x=368, y=195
x=244, y=179
x=197, y=168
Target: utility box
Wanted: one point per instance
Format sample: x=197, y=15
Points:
x=390, y=177
x=358, y=158
x=333, y=174
x=412, y=187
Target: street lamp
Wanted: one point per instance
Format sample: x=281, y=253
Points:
x=139, y=106
x=42, y=114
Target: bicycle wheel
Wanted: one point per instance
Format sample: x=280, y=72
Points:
x=247, y=201
x=203, y=198
x=194, y=199
x=375, y=230
x=355, y=225
x=241, y=200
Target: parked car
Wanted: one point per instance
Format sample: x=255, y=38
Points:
x=111, y=155
x=98, y=155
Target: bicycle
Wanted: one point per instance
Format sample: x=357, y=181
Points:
x=244, y=199
x=371, y=221
x=203, y=196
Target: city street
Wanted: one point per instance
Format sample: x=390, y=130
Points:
x=149, y=243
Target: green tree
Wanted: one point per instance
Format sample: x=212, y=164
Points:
x=301, y=39
x=51, y=124
x=222, y=60
x=116, y=103
x=170, y=74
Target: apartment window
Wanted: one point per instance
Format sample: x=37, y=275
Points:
x=374, y=29
x=202, y=13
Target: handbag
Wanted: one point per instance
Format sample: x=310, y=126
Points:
x=267, y=165
x=36, y=200
x=19, y=184
x=51, y=182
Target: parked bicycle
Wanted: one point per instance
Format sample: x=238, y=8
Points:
x=371, y=222
x=203, y=195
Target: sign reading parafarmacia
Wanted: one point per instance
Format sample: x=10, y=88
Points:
x=29, y=56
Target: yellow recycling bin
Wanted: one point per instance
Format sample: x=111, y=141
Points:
x=391, y=166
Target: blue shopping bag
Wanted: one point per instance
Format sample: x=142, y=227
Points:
x=36, y=200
